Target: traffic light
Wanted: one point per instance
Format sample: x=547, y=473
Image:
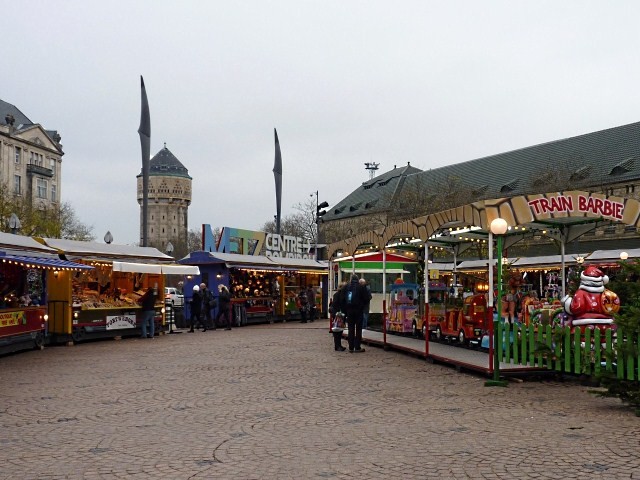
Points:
x=320, y=211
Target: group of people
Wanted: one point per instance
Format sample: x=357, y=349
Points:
x=307, y=304
x=350, y=301
x=203, y=302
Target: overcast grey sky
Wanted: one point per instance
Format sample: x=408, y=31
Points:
x=344, y=82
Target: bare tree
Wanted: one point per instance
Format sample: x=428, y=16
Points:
x=58, y=221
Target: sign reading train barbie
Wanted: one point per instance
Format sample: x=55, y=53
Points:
x=249, y=242
x=584, y=204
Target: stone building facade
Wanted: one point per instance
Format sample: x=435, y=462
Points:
x=30, y=159
x=169, y=200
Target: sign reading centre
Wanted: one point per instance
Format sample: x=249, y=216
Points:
x=249, y=242
x=287, y=246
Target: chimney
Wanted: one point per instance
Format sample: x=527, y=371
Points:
x=9, y=119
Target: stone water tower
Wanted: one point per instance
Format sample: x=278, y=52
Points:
x=169, y=200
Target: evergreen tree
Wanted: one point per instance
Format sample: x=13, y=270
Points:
x=626, y=284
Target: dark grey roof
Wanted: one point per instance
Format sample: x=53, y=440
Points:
x=8, y=109
x=592, y=160
x=373, y=195
x=166, y=164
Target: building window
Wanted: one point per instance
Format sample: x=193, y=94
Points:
x=52, y=166
x=53, y=193
x=17, y=184
x=42, y=187
x=36, y=159
x=18, y=154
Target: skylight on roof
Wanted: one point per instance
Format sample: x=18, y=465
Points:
x=581, y=173
x=509, y=187
x=623, y=167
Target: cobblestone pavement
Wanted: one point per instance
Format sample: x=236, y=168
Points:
x=277, y=402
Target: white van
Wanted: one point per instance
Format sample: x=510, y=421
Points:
x=173, y=297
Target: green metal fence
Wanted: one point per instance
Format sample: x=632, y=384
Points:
x=557, y=348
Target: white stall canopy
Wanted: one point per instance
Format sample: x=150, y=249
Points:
x=155, y=268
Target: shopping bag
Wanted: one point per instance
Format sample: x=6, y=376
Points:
x=338, y=323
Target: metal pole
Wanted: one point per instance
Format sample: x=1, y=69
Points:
x=494, y=329
x=315, y=250
x=490, y=304
x=425, y=322
x=563, y=269
x=496, y=358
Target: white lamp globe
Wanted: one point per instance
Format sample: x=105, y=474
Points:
x=624, y=255
x=499, y=226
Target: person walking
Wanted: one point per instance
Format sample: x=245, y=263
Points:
x=148, y=303
x=311, y=303
x=224, y=299
x=207, y=305
x=337, y=310
x=196, y=307
x=302, y=305
x=356, y=295
x=365, y=310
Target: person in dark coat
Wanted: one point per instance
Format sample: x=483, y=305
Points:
x=224, y=299
x=356, y=296
x=336, y=309
x=196, y=307
x=148, y=303
x=303, y=308
x=365, y=310
x=207, y=305
x=311, y=303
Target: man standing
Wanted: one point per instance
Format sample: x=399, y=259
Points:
x=148, y=303
x=356, y=295
x=196, y=307
x=302, y=305
x=224, y=299
x=311, y=302
x=207, y=305
x=365, y=310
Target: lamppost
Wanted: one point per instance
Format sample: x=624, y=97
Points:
x=498, y=228
x=108, y=238
x=319, y=213
x=169, y=248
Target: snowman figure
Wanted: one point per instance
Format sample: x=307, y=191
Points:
x=592, y=304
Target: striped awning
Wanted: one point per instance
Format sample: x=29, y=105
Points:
x=42, y=261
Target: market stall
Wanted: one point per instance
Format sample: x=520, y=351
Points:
x=263, y=288
x=28, y=270
x=103, y=301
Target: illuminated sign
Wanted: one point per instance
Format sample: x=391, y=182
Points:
x=287, y=246
x=566, y=204
x=12, y=319
x=117, y=322
x=249, y=242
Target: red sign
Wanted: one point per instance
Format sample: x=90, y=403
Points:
x=565, y=204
